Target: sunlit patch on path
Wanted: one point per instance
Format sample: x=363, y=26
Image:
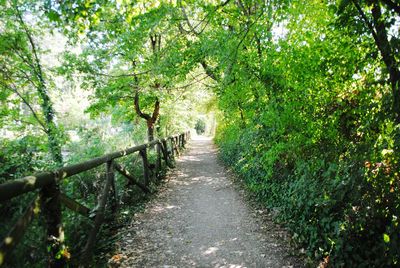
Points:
x=200, y=219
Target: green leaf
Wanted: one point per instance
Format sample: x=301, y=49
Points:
x=386, y=238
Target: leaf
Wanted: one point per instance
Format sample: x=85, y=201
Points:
x=386, y=238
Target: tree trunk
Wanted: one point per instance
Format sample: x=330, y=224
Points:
x=52, y=215
x=46, y=105
x=48, y=112
x=388, y=56
x=150, y=130
x=379, y=32
x=50, y=194
x=395, y=83
x=150, y=119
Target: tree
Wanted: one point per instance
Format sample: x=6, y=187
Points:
x=379, y=20
x=132, y=61
x=21, y=74
x=22, y=71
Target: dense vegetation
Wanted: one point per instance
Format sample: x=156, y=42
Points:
x=311, y=125
x=306, y=94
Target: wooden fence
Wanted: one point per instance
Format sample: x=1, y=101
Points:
x=49, y=198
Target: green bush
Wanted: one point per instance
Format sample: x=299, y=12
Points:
x=335, y=201
x=331, y=172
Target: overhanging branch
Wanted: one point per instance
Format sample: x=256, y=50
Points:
x=138, y=110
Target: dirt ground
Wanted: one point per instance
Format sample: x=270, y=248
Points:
x=201, y=219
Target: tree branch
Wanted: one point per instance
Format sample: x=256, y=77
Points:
x=366, y=20
x=382, y=38
x=156, y=111
x=123, y=75
x=193, y=28
x=137, y=108
x=394, y=6
x=208, y=70
x=24, y=100
x=38, y=67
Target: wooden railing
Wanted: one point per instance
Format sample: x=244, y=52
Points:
x=49, y=199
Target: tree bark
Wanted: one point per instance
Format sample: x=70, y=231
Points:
x=51, y=211
x=379, y=32
x=150, y=130
x=394, y=6
x=150, y=119
x=388, y=57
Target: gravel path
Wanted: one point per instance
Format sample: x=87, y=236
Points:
x=201, y=219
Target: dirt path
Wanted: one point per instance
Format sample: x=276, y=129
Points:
x=200, y=219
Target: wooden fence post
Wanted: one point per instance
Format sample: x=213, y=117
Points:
x=87, y=251
x=115, y=203
x=164, y=150
x=176, y=145
x=143, y=154
x=172, y=147
x=51, y=209
x=158, y=161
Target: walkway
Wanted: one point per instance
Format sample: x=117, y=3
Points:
x=201, y=219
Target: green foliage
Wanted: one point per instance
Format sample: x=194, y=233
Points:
x=19, y=157
x=306, y=93
x=200, y=126
x=308, y=128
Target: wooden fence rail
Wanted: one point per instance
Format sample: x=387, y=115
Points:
x=49, y=199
